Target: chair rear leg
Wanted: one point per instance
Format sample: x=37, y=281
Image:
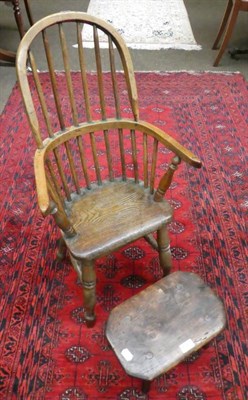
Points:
x=164, y=250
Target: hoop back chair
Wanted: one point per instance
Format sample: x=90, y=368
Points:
x=95, y=169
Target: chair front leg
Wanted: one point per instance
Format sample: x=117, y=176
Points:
x=89, y=290
x=164, y=250
x=86, y=273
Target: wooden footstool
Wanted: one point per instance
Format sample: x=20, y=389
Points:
x=156, y=329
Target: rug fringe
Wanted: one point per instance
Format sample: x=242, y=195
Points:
x=179, y=71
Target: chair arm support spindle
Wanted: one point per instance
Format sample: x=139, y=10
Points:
x=166, y=179
x=59, y=214
x=63, y=222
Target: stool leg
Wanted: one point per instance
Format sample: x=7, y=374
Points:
x=145, y=386
x=164, y=250
x=61, y=252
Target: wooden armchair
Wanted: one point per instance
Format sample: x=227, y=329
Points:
x=95, y=169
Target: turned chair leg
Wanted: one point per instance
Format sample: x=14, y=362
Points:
x=164, y=250
x=89, y=291
x=61, y=252
x=86, y=273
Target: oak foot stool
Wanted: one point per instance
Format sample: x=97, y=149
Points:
x=156, y=329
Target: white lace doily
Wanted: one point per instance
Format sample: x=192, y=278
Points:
x=146, y=24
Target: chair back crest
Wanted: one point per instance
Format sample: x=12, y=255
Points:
x=53, y=104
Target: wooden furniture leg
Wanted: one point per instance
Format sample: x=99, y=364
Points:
x=28, y=11
x=228, y=34
x=145, y=386
x=164, y=250
x=18, y=17
x=7, y=55
x=89, y=291
x=86, y=273
x=227, y=25
x=61, y=252
x=223, y=24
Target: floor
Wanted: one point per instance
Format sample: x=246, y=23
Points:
x=205, y=17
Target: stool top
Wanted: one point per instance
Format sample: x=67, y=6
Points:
x=156, y=329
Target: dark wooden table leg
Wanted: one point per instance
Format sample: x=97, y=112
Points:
x=28, y=11
x=18, y=17
x=6, y=55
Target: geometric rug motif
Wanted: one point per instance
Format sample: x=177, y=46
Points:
x=46, y=352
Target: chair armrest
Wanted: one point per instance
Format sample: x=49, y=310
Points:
x=46, y=205
x=168, y=141
x=41, y=183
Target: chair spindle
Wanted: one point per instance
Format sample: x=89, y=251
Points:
x=122, y=154
x=72, y=166
x=40, y=94
x=109, y=156
x=83, y=161
x=95, y=158
x=83, y=72
x=62, y=173
x=153, y=166
x=54, y=181
x=53, y=80
x=114, y=79
x=145, y=160
x=166, y=179
x=59, y=214
x=99, y=72
x=68, y=75
x=134, y=155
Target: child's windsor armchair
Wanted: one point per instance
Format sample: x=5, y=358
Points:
x=102, y=208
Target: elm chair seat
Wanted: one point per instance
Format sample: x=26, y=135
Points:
x=135, y=214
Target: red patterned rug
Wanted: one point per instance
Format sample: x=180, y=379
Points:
x=46, y=352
